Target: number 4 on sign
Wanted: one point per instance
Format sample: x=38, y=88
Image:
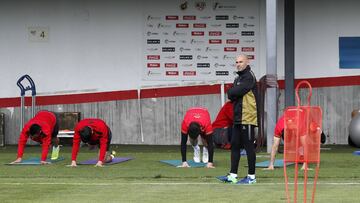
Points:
x=42, y=34
x=38, y=34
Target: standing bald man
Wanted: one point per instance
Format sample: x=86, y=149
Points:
x=243, y=95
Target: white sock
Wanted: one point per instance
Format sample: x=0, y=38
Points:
x=233, y=175
x=196, y=147
x=251, y=176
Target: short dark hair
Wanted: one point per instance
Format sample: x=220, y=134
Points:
x=194, y=130
x=85, y=134
x=34, y=129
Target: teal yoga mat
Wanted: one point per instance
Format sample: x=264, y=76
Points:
x=179, y=162
x=35, y=161
x=279, y=163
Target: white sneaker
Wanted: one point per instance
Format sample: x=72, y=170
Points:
x=196, y=154
x=205, y=157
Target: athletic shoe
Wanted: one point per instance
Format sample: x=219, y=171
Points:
x=113, y=153
x=231, y=179
x=197, y=154
x=55, y=153
x=247, y=181
x=205, y=157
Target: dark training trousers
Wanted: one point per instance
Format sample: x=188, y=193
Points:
x=243, y=137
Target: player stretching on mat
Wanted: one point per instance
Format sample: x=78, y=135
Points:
x=278, y=134
x=43, y=128
x=197, y=122
x=93, y=132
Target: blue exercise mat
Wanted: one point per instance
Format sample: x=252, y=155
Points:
x=356, y=153
x=279, y=163
x=35, y=161
x=179, y=162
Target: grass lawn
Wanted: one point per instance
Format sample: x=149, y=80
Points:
x=145, y=179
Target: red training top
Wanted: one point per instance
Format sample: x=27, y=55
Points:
x=199, y=115
x=279, y=127
x=46, y=120
x=225, y=116
x=100, y=134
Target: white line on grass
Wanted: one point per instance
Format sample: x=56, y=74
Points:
x=166, y=183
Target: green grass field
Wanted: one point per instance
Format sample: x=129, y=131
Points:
x=145, y=179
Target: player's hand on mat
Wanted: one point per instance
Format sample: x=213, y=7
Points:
x=73, y=164
x=99, y=164
x=209, y=165
x=184, y=165
x=44, y=162
x=271, y=167
x=18, y=160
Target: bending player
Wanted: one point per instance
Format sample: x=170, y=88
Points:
x=278, y=134
x=197, y=122
x=93, y=131
x=42, y=128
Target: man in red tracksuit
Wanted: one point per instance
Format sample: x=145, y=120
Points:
x=224, y=119
x=42, y=128
x=278, y=134
x=197, y=122
x=92, y=131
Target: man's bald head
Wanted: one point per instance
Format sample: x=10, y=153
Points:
x=242, y=62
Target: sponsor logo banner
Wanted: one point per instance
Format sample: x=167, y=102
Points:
x=205, y=72
x=153, y=65
x=189, y=17
x=215, y=33
x=197, y=33
x=199, y=25
x=171, y=65
x=189, y=73
x=232, y=41
x=153, y=41
x=246, y=25
x=153, y=57
x=169, y=41
x=198, y=40
x=150, y=73
x=199, y=57
x=232, y=25
x=149, y=17
x=251, y=57
x=221, y=6
x=230, y=49
x=172, y=73
x=185, y=57
x=247, y=33
x=224, y=73
x=203, y=65
x=215, y=41
x=247, y=49
x=182, y=25
x=222, y=17
x=168, y=49
x=172, y=17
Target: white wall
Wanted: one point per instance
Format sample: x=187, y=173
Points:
x=97, y=45
x=93, y=45
x=319, y=24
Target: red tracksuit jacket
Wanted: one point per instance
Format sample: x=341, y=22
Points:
x=101, y=135
x=46, y=120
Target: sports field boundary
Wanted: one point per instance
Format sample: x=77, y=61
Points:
x=170, y=183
